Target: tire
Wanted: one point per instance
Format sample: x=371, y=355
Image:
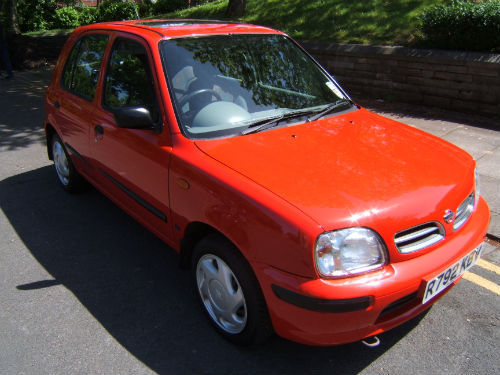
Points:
x=66, y=173
x=229, y=292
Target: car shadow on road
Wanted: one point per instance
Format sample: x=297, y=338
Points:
x=131, y=284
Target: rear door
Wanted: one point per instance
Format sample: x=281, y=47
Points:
x=132, y=164
x=74, y=98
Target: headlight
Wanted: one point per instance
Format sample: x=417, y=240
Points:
x=348, y=252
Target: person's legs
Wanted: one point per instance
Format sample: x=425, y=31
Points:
x=6, y=60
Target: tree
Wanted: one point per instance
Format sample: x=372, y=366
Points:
x=236, y=8
x=9, y=9
x=13, y=16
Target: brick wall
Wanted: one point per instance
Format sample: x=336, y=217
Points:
x=461, y=81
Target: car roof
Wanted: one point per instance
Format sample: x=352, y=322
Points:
x=172, y=28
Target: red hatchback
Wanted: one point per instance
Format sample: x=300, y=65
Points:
x=297, y=210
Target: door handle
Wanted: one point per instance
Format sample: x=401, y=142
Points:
x=98, y=130
x=56, y=104
x=98, y=133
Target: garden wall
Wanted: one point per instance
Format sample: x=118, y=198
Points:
x=460, y=81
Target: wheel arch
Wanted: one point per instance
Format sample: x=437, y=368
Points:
x=49, y=133
x=194, y=233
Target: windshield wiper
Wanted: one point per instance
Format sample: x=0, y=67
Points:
x=330, y=108
x=268, y=123
x=272, y=122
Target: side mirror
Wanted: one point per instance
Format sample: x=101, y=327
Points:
x=133, y=118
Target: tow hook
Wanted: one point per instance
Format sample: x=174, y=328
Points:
x=371, y=342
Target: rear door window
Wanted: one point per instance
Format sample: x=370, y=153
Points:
x=84, y=64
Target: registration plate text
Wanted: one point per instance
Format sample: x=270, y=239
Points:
x=448, y=276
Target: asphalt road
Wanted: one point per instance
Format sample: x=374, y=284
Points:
x=84, y=289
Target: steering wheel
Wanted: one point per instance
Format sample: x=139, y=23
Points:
x=186, y=98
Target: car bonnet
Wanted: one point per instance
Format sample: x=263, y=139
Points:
x=353, y=169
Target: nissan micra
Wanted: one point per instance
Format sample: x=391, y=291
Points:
x=298, y=211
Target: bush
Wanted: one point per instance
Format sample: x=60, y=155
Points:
x=66, y=18
x=462, y=25
x=145, y=8
x=35, y=15
x=116, y=10
x=167, y=6
x=87, y=15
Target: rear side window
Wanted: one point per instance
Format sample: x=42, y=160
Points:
x=84, y=63
x=129, y=82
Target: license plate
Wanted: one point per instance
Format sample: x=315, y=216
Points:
x=449, y=275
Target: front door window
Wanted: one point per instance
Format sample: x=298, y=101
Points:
x=129, y=80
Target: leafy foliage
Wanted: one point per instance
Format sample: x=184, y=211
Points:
x=462, y=25
x=116, y=10
x=145, y=8
x=36, y=15
x=165, y=6
x=66, y=18
x=87, y=15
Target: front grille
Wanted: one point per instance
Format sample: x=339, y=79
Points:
x=419, y=237
x=464, y=211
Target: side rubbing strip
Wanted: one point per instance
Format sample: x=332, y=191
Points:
x=74, y=152
x=319, y=304
x=148, y=206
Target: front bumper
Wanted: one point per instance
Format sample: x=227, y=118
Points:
x=330, y=312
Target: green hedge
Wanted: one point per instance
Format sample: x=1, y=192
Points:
x=36, y=15
x=167, y=6
x=87, y=15
x=116, y=10
x=66, y=18
x=462, y=25
x=145, y=8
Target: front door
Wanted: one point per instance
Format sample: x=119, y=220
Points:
x=132, y=164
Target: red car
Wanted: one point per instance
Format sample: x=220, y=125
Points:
x=298, y=211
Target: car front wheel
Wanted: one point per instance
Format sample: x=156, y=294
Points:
x=229, y=292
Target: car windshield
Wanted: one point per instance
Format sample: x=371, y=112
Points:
x=225, y=85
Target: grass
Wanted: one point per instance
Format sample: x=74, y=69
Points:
x=49, y=32
x=350, y=21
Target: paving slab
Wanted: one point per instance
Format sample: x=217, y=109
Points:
x=490, y=191
x=476, y=141
x=494, y=229
x=489, y=164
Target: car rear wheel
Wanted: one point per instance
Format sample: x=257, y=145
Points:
x=66, y=173
x=229, y=292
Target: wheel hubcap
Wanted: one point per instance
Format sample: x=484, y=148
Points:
x=60, y=162
x=221, y=294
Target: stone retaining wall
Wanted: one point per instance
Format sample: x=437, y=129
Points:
x=460, y=81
